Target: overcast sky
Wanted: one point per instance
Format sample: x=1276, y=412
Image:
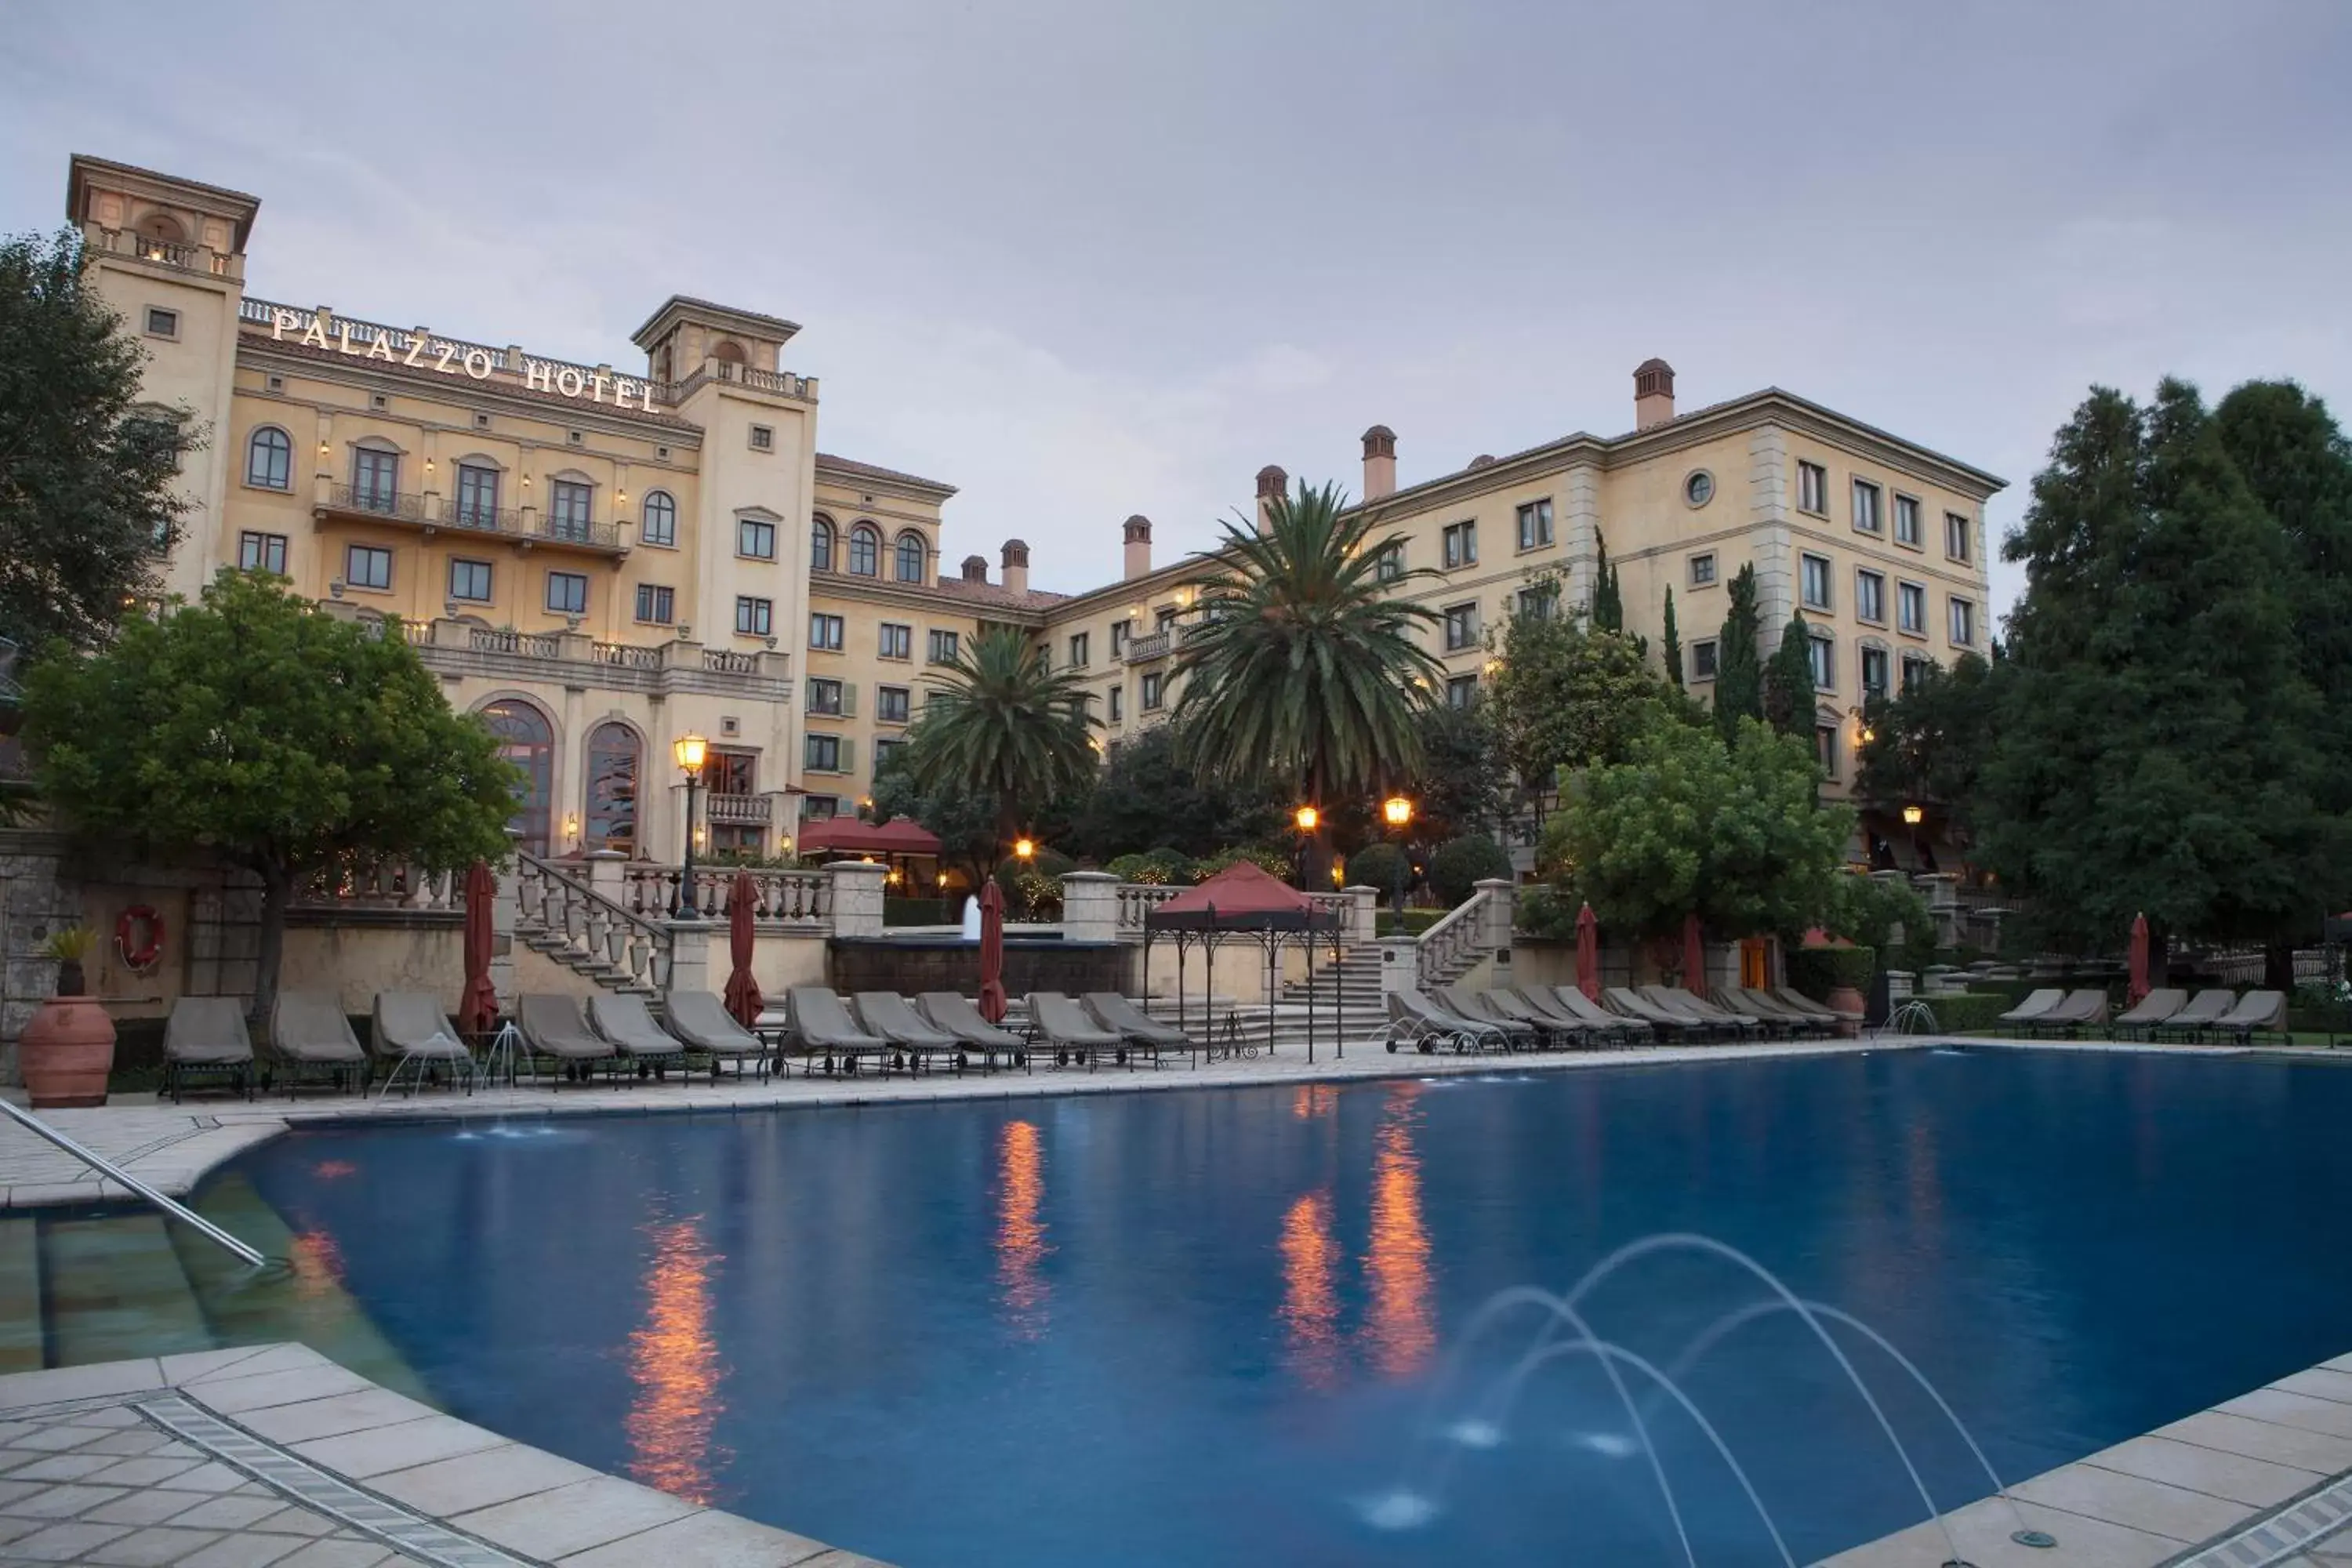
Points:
x=1084, y=259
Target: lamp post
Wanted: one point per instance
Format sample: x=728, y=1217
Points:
x=1914, y=816
x=689, y=750
x=1397, y=812
x=1307, y=817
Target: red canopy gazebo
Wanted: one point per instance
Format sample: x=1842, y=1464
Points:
x=901, y=838
x=1243, y=898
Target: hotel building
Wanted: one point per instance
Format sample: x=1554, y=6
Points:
x=599, y=559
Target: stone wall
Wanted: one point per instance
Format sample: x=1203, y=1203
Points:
x=910, y=967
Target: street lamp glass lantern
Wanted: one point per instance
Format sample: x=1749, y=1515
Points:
x=1913, y=815
x=1397, y=810
x=1307, y=816
x=1024, y=848
x=690, y=750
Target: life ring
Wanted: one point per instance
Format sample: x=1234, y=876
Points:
x=145, y=921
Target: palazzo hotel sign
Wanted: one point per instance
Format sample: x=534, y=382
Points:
x=415, y=348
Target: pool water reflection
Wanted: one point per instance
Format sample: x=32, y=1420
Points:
x=1198, y=1328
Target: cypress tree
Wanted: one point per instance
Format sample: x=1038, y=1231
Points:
x=1789, y=681
x=1608, y=601
x=1673, y=644
x=1738, y=677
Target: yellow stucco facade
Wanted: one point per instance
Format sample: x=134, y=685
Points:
x=602, y=559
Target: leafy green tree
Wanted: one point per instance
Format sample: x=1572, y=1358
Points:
x=1303, y=667
x=2159, y=747
x=1688, y=824
x=1738, y=674
x=278, y=737
x=1460, y=785
x=1928, y=743
x=1149, y=795
x=1789, y=681
x=963, y=818
x=88, y=508
x=1459, y=865
x=1673, y=644
x=1871, y=914
x=1567, y=696
x=1002, y=723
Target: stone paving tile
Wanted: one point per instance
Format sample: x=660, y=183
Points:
x=451, y=1487
x=2252, y=1483
x=362, y=1455
x=334, y=1416
x=64, y=1542
x=2288, y=1409
x=2231, y=1434
x=573, y=1519
x=706, y=1539
x=2111, y=1496
x=243, y=1551
x=234, y=1512
x=140, y=1508
x=153, y=1547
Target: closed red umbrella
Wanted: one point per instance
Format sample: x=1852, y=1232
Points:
x=477, y=1005
x=1694, y=956
x=744, y=998
x=2138, y=958
x=991, y=951
x=1588, y=952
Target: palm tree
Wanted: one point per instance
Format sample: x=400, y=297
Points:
x=1304, y=665
x=1000, y=723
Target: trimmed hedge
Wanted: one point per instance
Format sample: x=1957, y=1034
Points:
x=1975, y=1013
x=921, y=911
x=1461, y=864
x=1415, y=921
x=1818, y=971
x=1376, y=866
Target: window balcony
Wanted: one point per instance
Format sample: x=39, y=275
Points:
x=739, y=810
x=455, y=647
x=526, y=529
x=1140, y=650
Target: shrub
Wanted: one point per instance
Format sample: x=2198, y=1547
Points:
x=1461, y=864
x=1274, y=861
x=1867, y=910
x=1545, y=911
x=1974, y=1013
x=1154, y=867
x=1415, y=921
x=1376, y=865
x=1818, y=971
x=1033, y=891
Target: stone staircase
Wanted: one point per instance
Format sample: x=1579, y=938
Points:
x=560, y=916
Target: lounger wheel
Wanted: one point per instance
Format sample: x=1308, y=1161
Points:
x=1391, y=1048
x=1119, y=1055
x=1426, y=1048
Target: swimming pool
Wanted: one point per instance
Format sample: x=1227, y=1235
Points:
x=1204, y=1327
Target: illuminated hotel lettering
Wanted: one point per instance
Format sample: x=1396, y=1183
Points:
x=427, y=351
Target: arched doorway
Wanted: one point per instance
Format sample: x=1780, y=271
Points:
x=527, y=740
x=610, y=821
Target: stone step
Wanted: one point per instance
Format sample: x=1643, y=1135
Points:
x=116, y=1291
x=20, y=1293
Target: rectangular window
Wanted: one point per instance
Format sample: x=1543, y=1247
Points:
x=1869, y=598
x=478, y=496
x=1964, y=624
x=1911, y=608
x=1907, y=520
x=162, y=323
x=1825, y=749
x=824, y=697
x=567, y=592
x=1813, y=488
x=898, y=641
x=261, y=553
x=570, y=505
x=375, y=480
x=893, y=705
x=1461, y=627
x=1815, y=573
x=1462, y=691
x=941, y=648
x=764, y=439
x=1702, y=660
x=656, y=606
x=826, y=632
x=1154, y=683
x=1702, y=569
x=755, y=618
x=1390, y=565
x=755, y=540
x=1915, y=672
x=1539, y=604
x=367, y=566
x=469, y=581
x=1956, y=532
x=1118, y=630
x=822, y=753
x=1163, y=618
x=1118, y=704
x=1078, y=650
x=1460, y=544
x=1873, y=671
x=1867, y=500
x=1535, y=525
x=1820, y=653
x=885, y=748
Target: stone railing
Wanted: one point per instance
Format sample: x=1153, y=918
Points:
x=507, y=640
x=452, y=646
x=739, y=810
x=795, y=898
x=1479, y=925
x=383, y=885
x=1154, y=646
x=1351, y=909
x=591, y=926
x=1136, y=900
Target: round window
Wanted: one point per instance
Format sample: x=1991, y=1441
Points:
x=1699, y=489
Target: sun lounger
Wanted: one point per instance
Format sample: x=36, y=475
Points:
x=1465, y=1003
x=2082, y=1010
x=960, y=1017
x=1676, y=997
x=2205, y=1009
x=2257, y=1013
x=1774, y=1011
x=1559, y=1033
x=410, y=1031
x=1143, y=1031
x=1612, y=1026
x=1061, y=1023
x=1796, y=1001
x=2151, y=1010
x=912, y=1037
x=309, y=1037
x=817, y=1021
x=206, y=1037
x=1540, y=1004
x=629, y=1024
x=1674, y=1026
x=2035, y=1007
x=555, y=1027
x=1418, y=1021
x=701, y=1020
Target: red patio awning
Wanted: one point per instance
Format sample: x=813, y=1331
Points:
x=846, y=834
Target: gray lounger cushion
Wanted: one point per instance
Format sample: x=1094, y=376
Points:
x=411, y=1024
x=2040, y=1005
x=960, y=1016
x=1113, y=1011
x=309, y=1026
x=625, y=1021
x=887, y=1014
x=207, y=1031
x=819, y=1018
x=2155, y=1007
x=554, y=1026
x=702, y=1021
x=1064, y=1023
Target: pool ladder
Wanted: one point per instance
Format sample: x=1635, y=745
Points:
x=114, y=1172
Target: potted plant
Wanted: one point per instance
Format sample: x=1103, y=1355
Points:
x=68, y=1046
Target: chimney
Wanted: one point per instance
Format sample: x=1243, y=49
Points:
x=1017, y=566
x=1654, y=394
x=1379, y=463
x=1138, y=546
x=975, y=568
x=1271, y=483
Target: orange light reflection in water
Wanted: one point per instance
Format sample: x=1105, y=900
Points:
x=1310, y=1297
x=674, y=1360
x=1314, y=1099
x=317, y=1264
x=1020, y=1244
x=1400, y=1327
x=334, y=1170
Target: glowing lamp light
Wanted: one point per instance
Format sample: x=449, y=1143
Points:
x=1339, y=875
x=1913, y=815
x=1306, y=818
x=1868, y=734
x=1022, y=848
x=1397, y=811
x=690, y=750
x=943, y=878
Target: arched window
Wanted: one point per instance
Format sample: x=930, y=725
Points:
x=910, y=557
x=526, y=740
x=610, y=821
x=865, y=552
x=269, y=459
x=728, y=352
x=821, y=545
x=162, y=226
x=661, y=519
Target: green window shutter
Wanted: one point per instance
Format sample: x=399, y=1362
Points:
x=808, y=694
x=849, y=700
x=848, y=755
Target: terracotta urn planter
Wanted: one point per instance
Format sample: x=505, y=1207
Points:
x=67, y=1048
x=1849, y=1004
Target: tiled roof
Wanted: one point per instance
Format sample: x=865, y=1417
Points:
x=997, y=594
x=876, y=471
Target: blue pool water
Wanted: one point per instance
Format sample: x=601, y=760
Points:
x=1209, y=1327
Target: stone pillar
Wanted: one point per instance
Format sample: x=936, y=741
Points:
x=505, y=904
x=604, y=872
x=1363, y=919
x=1089, y=905
x=1400, y=964
x=689, y=956
x=1494, y=918
x=856, y=896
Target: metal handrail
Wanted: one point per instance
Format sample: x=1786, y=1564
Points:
x=115, y=1173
